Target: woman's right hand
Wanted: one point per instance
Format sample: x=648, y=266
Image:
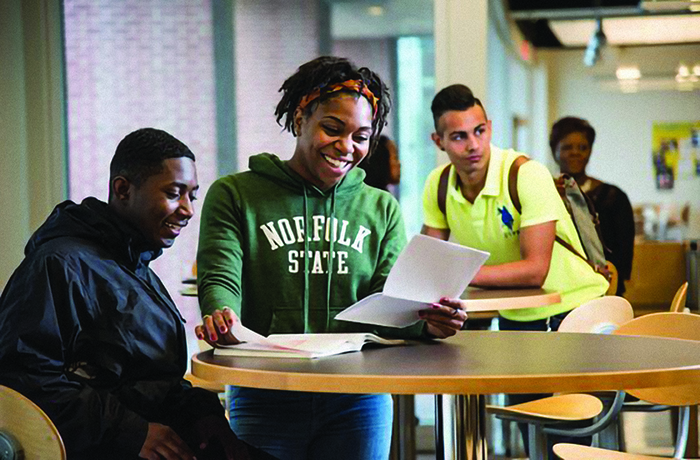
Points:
x=216, y=328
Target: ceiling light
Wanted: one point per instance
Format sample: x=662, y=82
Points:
x=696, y=70
x=644, y=30
x=628, y=73
x=660, y=6
x=375, y=10
x=683, y=70
x=598, y=41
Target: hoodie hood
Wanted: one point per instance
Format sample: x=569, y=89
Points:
x=93, y=220
x=275, y=169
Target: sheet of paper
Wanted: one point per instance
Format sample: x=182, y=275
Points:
x=426, y=270
x=383, y=310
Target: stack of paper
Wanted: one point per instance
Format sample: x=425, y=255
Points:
x=425, y=271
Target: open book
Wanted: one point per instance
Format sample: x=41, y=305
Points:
x=303, y=345
x=426, y=270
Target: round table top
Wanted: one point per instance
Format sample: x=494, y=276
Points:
x=479, y=300
x=473, y=362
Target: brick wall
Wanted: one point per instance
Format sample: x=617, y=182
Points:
x=272, y=39
x=132, y=64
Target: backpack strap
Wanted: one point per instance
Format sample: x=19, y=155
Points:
x=513, y=191
x=442, y=189
x=513, y=181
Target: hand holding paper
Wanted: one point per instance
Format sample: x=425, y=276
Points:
x=425, y=271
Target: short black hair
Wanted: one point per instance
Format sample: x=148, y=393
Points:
x=453, y=97
x=566, y=126
x=377, y=169
x=141, y=153
x=322, y=72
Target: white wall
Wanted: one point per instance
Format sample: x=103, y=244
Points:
x=623, y=121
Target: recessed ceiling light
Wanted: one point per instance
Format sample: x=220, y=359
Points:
x=628, y=73
x=375, y=10
x=631, y=30
x=683, y=70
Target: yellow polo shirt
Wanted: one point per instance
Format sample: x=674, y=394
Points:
x=492, y=224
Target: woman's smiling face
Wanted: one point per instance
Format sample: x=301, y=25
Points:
x=332, y=139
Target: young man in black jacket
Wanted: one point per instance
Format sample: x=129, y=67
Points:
x=89, y=332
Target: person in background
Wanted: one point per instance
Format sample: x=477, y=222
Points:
x=89, y=332
x=571, y=141
x=287, y=245
x=383, y=168
x=479, y=213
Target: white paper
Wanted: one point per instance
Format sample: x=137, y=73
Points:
x=300, y=345
x=425, y=271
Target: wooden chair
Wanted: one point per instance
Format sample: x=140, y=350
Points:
x=678, y=302
x=598, y=316
x=26, y=432
x=672, y=325
x=677, y=306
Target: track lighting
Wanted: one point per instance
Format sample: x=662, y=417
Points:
x=597, y=42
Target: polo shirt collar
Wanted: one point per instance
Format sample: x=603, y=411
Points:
x=492, y=187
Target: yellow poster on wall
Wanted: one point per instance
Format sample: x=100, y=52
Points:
x=675, y=152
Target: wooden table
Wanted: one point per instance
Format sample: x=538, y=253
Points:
x=470, y=365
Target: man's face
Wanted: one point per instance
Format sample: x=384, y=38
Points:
x=465, y=135
x=161, y=207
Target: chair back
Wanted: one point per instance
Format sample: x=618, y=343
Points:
x=599, y=316
x=678, y=302
x=671, y=325
x=25, y=428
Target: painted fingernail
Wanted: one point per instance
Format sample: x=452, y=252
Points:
x=222, y=329
x=200, y=336
x=436, y=307
x=213, y=337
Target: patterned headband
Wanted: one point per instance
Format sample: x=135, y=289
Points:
x=357, y=86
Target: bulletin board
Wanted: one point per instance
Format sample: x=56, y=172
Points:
x=675, y=152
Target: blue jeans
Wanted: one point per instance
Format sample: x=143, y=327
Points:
x=297, y=425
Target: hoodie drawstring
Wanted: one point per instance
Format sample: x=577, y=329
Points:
x=332, y=234
x=306, y=263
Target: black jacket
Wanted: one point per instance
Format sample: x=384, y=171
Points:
x=617, y=228
x=90, y=334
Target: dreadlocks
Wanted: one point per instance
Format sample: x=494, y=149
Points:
x=320, y=75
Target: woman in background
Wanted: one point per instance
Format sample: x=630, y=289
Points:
x=383, y=169
x=286, y=246
x=571, y=141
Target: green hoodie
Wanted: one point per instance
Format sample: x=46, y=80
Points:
x=252, y=246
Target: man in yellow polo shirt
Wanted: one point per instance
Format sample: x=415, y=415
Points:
x=479, y=213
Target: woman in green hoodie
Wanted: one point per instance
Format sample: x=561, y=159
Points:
x=287, y=245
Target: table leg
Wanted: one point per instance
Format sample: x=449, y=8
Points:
x=460, y=427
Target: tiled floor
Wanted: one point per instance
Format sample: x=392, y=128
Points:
x=645, y=433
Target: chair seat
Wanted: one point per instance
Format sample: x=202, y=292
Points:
x=564, y=408
x=575, y=452
x=30, y=427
